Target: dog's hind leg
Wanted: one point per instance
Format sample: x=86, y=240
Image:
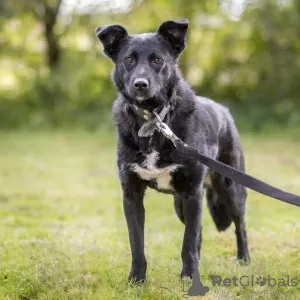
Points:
x=226, y=200
x=241, y=238
x=179, y=208
x=227, y=204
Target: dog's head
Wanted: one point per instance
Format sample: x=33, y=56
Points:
x=145, y=64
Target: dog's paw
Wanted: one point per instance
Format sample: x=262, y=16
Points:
x=186, y=274
x=136, y=278
x=244, y=260
x=188, y=270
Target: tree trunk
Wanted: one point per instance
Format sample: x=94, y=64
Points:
x=53, y=48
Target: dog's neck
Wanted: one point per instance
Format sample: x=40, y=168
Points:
x=155, y=102
x=175, y=96
x=183, y=106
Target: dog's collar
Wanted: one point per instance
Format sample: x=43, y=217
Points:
x=146, y=115
x=149, y=118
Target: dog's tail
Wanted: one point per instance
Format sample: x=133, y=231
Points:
x=219, y=209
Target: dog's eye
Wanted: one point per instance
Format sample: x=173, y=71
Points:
x=158, y=60
x=129, y=60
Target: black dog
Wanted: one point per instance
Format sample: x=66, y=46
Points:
x=147, y=77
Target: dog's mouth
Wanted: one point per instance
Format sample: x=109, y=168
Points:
x=144, y=100
x=141, y=98
x=150, y=104
x=137, y=96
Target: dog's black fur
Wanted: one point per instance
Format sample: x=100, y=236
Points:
x=146, y=74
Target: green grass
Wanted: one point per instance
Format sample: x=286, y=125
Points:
x=63, y=234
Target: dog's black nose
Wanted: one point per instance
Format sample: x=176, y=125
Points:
x=141, y=84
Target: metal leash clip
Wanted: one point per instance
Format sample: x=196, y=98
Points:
x=165, y=129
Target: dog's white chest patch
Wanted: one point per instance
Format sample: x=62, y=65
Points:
x=149, y=171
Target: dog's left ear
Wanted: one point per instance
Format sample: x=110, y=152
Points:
x=175, y=33
x=111, y=37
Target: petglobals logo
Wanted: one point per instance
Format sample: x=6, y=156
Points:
x=253, y=281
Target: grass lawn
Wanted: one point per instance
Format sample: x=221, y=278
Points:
x=63, y=234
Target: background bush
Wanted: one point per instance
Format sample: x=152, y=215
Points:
x=245, y=54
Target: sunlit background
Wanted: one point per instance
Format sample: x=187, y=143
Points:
x=242, y=53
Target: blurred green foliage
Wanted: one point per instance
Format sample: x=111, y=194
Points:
x=245, y=54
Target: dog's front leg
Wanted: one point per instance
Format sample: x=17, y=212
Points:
x=192, y=234
x=133, y=196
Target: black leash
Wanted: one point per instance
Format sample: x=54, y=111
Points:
x=154, y=120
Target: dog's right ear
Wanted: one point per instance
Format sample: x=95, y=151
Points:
x=111, y=37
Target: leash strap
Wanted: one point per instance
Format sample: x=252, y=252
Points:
x=153, y=121
x=226, y=170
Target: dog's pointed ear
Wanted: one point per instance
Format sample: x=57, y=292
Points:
x=175, y=33
x=111, y=37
